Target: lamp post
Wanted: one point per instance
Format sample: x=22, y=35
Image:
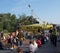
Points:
x=31, y=9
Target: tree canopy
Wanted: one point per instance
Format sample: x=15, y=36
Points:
x=10, y=22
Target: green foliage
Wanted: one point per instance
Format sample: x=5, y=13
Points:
x=26, y=20
x=9, y=22
x=1, y=26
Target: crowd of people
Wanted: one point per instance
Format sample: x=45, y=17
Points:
x=14, y=40
x=43, y=38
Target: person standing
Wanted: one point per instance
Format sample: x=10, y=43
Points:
x=50, y=35
x=35, y=44
x=20, y=38
x=54, y=35
x=15, y=41
x=1, y=46
x=39, y=42
x=32, y=47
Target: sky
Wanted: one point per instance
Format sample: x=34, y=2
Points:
x=46, y=10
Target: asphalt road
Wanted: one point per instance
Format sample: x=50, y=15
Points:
x=46, y=48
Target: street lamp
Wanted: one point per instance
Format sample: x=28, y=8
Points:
x=31, y=9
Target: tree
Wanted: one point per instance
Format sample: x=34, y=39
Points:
x=1, y=26
x=26, y=20
x=13, y=22
x=22, y=19
x=8, y=22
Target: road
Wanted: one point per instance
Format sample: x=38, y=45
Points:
x=46, y=48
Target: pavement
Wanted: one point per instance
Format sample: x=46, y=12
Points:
x=46, y=48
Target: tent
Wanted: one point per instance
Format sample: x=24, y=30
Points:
x=33, y=27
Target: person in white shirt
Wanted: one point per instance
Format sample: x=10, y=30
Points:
x=35, y=45
x=32, y=47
